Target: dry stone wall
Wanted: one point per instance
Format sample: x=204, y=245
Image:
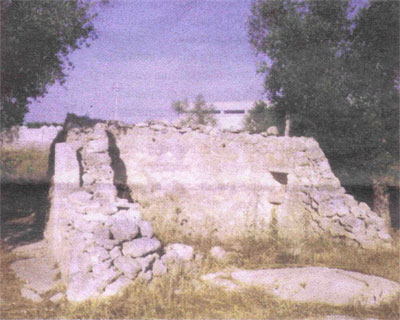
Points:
x=226, y=185
x=198, y=181
x=99, y=240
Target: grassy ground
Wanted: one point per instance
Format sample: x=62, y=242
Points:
x=178, y=295
x=24, y=166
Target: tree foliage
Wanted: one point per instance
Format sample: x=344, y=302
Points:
x=262, y=116
x=336, y=77
x=36, y=38
x=197, y=113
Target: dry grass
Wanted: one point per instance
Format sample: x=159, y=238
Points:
x=179, y=295
x=25, y=165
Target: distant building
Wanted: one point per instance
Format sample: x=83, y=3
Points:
x=231, y=115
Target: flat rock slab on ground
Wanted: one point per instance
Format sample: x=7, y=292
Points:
x=37, y=269
x=311, y=284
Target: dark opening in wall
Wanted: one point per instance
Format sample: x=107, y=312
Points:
x=281, y=177
x=79, y=158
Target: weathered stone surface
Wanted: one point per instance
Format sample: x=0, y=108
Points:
x=159, y=268
x=146, y=230
x=233, y=172
x=115, y=253
x=124, y=229
x=140, y=247
x=218, y=253
x=38, y=274
x=97, y=146
x=146, y=276
x=128, y=266
x=82, y=287
x=31, y=295
x=116, y=286
x=147, y=261
x=178, y=252
x=312, y=284
x=251, y=183
x=57, y=297
x=80, y=197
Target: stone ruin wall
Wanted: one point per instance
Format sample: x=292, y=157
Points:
x=226, y=185
x=201, y=181
x=99, y=240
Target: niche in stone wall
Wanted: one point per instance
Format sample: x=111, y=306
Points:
x=278, y=190
x=280, y=177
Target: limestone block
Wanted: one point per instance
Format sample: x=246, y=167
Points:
x=146, y=230
x=66, y=166
x=178, y=252
x=97, y=146
x=31, y=295
x=87, y=179
x=147, y=261
x=124, y=229
x=115, y=253
x=83, y=286
x=146, y=276
x=218, y=253
x=80, y=263
x=57, y=297
x=128, y=266
x=98, y=255
x=106, y=243
x=114, y=287
x=140, y=247
x=312, y=285
x=80, y=197
x=105, y=274
x=159, y=268
x=130, y=214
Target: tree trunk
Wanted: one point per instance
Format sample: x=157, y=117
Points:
x=381, y=201
x=287, y=125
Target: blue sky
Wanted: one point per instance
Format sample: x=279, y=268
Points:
x=150, y=53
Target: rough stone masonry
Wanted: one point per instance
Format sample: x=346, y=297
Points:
x=99, y=240
x=226, y=184
x=207, y=182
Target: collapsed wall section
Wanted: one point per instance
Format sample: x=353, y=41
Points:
x=206, y=183
x=99, y=240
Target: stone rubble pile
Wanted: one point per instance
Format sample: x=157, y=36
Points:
x=110, y=245
x=37, y=269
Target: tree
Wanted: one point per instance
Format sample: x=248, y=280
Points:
x=262, y=116
x=36, y=38
x=198, y=113
x=373, y=69
x=320, y=71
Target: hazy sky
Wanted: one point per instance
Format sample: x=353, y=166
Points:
x=150, y=53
